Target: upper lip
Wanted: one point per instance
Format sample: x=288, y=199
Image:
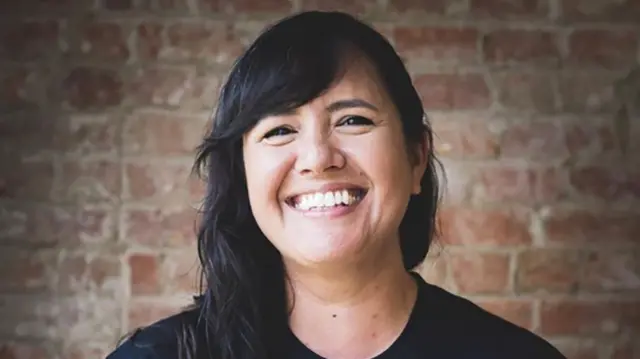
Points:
x=326, y=188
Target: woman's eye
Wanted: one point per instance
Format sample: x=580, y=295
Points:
x=279, y=131
x=355, y=121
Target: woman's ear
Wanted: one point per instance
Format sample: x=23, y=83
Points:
x=420, y=163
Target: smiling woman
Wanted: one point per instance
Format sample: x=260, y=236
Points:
x=321, y=200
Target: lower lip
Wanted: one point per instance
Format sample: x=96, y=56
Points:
x=332, y=212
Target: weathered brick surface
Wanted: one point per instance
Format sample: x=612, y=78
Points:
x=536, y=111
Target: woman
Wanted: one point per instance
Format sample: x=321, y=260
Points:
x=321, y=199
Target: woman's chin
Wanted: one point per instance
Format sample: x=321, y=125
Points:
x=325, y=252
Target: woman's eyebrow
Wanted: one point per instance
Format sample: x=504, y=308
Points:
x=350, y=103
x=333, y=107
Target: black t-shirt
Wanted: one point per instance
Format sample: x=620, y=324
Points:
x=441, y=325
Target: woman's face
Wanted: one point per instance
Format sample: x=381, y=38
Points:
x=332, y=180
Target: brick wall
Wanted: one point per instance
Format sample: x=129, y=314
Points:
x=534, y=104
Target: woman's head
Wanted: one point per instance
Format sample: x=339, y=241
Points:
x=321, y=103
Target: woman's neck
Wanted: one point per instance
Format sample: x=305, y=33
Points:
x=355, y=311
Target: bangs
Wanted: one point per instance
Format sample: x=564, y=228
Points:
x=290, y=72
x=289, y=65
x=299, y=58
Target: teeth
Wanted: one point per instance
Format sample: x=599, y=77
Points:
x=327, y=199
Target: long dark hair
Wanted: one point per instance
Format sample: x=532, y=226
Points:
x=243, y=307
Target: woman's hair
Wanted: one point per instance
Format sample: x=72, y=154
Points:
x=243, y=307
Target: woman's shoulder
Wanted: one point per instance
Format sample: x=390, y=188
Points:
x=159, y=340
x=453, y=318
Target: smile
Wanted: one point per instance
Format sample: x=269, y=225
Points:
x=319, y=201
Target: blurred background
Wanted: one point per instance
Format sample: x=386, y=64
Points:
x=535, y=105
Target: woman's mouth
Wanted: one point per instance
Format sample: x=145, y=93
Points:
x=323, y=201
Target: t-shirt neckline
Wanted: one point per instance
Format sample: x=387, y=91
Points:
x=402, y=341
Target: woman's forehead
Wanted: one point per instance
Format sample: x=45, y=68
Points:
x=359, y=80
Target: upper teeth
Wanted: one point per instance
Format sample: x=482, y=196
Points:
x=326, y=199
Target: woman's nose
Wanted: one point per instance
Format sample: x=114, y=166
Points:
x=317, y=155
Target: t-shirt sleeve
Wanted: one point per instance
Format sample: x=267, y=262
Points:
x=159, y=340
x=470, y=331
x=128, y=350
x=149, y=343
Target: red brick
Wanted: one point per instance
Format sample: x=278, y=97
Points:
x=548, y=270
x=161, y=85
x=149, y=40
x=25, y=134
x=507, y=46
x=48, y=7
x=180, y=271
x=56, y=225
x=88, y=134
x=25, y=87
x=478, y=272
x=13, y=221
x=211, y=5
x=576, y=226
x=185, y=88
x=81, y=273
x=92, y=88
x=591, y=139
x=84, y=317
x=450, y=91
x=498, y=183
x=72, y=226
x=634, y=146
x=29, y=40
x=584, y=317
x=21, y=322
x=525, y=91
x=104, y=41
x=510, y=8
x=145, y=312
x=591, y=92
x=576, y=349
x=160, y=180
x=202, y=92
x=460, y=177
x=206, y=41
x=465, y=139
x=611, y=49
x=355, y=7
x=161, y=133
x=269, y=6
x=612, y=270
x=28, y=180
x=175, y=227
x=609, y=11
x=145, y=273
x=116, y=5
x=429, y=44
x=606, y=183
x=470, y=226
x=210, y=42
x=27, y=270
x=418, y=6
x=147, y=5
x=539, y=141
x=519, y=312
x=627, y=349
x=87, y=351
x=13, y=350
x=97, y=180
